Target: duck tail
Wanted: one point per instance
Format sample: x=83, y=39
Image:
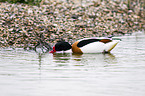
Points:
x=109, y=46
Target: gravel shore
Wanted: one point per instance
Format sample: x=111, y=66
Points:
x=23, y=25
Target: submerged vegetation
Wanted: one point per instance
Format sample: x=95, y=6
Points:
x=24, y=25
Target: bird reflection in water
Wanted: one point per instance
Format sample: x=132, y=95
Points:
x=62, y=59
x=39, y=59
x=80, y=59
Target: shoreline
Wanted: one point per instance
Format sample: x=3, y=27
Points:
x=23, y=26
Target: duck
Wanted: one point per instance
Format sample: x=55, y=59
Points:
x=86, y=45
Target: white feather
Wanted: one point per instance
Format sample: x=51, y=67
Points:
x=67, y=51
x=95, y=47
x=99, y=47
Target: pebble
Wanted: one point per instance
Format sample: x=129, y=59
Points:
x=22, y=24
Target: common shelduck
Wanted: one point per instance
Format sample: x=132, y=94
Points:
x=86, y=45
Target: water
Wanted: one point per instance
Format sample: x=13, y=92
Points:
x=121, y=73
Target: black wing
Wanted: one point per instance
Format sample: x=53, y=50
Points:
x=88, y=41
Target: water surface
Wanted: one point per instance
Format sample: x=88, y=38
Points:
x=121, y=73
